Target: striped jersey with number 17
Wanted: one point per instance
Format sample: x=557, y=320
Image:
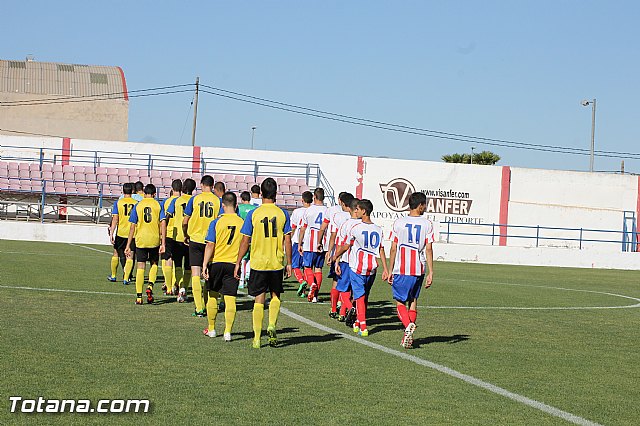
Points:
x=366, y=240
x=411, y=234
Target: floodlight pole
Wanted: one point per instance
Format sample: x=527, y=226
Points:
x=195, y=112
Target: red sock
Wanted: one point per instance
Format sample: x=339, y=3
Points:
x=412, y=316
x=308, y=276
x=345, y=297
x=403, y=314
x=299, y=276
x=334, y=299
x=318, y=278
x=362, y=313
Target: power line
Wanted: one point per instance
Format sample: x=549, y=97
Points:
x=98, y=97
x=410, y=130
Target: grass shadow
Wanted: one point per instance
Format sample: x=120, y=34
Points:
x=296, y=340
x=456, y=338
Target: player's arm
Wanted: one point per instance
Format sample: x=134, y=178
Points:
x=323, y=229
x=112, y=227
x=429, y=251
x=133, y=219
x=303, y=230
x=246, y=231
x=188, y=211
x=340, y=250
x=392, y=258
x=286, y=230
x=332, y=244
x=163, y=232
x=383, y=260
x=209, y=251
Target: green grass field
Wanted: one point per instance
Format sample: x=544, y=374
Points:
x=85, y=345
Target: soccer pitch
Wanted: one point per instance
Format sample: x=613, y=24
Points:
x=556, y=339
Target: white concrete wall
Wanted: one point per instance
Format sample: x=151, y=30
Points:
x=53, y=232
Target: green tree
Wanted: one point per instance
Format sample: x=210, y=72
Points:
x=484, y=157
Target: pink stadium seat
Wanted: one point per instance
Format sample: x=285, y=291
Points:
x=23, y=166
x=197, y=177
x=36, y=186
x=281, y=181
x=25, y=185
x=301, y=181
x=34, y=167
x=242, y=186
x=165, y=174
x=92, y=189
x=101, y=170
x=14, y=186
x=47, y=175
x=67, y=169
x=70, y=176
x=4, y=183
x=78, y=169
x=123, y=172
x=57, y=168
x=82, y=190
x=291, y=181
x=303, y=188
x=79, y=177
x=112, y=178
x=58, y=189
x=231, y=186
x=218, y=177
x=58, y=175
x=167, y=181
x=155, y=174
x=101, y=178
x=294, y=189
x=90, y=177
x=284, y=189
x=123, y=179
x=47, y=167
x=24, y=173
x=34, y=174
x=176, y=175
x=12, y=166
x=14, y=173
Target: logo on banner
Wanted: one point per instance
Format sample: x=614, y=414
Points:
x=396, y=194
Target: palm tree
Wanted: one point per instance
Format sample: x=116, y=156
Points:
x=484, y=157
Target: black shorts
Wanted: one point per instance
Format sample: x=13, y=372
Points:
x=148, y=254
x=196, y=253
x=180, y=253
x=120, y=243
x=265, y=281
x=221, y=279
x=169, y=243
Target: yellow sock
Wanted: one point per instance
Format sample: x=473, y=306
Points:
x=114, y=266
x=258, y=315
x=163, y=263
x=153, y=274
x=139, y=281
x=196, y=288
x=212, y=309
x=230, y=313
x=128, y=267
x=167, y=272
x=274, y=311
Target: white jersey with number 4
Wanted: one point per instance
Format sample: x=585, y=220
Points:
x=312, y=220
x=366, y=240
x=296, y=222
x=412, y=234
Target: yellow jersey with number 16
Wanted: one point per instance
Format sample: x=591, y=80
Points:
x=202, y=210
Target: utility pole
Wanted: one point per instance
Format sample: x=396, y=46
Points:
x=253, y=133
x=195, y=112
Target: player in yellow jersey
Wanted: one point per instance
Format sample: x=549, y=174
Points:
x=223, y=243
x=200, y=211
x=181, y=249
x=122, y=209
x=268, y=230
x=149, y=227
x=167, y=256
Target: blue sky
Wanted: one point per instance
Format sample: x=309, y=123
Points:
x=495, y=69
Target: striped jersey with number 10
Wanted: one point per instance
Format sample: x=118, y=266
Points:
x=123, y=208
x=225, y=232
x=411, y=234
x=147, y=215
x=267, y=225
x=202, y=210
x=366, y=239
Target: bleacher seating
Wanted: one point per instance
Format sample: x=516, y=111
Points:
x=88, y=181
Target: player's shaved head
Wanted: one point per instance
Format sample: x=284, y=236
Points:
x=150, y=189
x=229, y=199
x=176, y=185
x=307, y=197
x=220, y=187
x=269, y=189
x=318, y=193
x=188, y=186
x=255, y=189
x=139, y=186
x=367, y=206
x=245, y=196
x=207, y=180
x=127, y=188
x=416, y=199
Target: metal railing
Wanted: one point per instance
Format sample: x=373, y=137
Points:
x=539, y=234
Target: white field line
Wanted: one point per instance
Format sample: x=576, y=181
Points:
x=448, y=371
x=91, y=248
x=62, y=290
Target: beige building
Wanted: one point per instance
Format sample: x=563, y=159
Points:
x=67, y=100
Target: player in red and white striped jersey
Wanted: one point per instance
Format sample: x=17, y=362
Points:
x=342, y=262
x=296, y=222
x=365, y=242
x=411, y=245
x=310, y=244
x=336, y=216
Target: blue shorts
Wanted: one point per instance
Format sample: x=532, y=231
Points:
x=361, y=284
x=406, y=287
x=332, y=271
x=296, y=259
x=344, y=281
x=312, y=259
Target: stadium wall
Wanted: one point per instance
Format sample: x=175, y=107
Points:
x=464, y=199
